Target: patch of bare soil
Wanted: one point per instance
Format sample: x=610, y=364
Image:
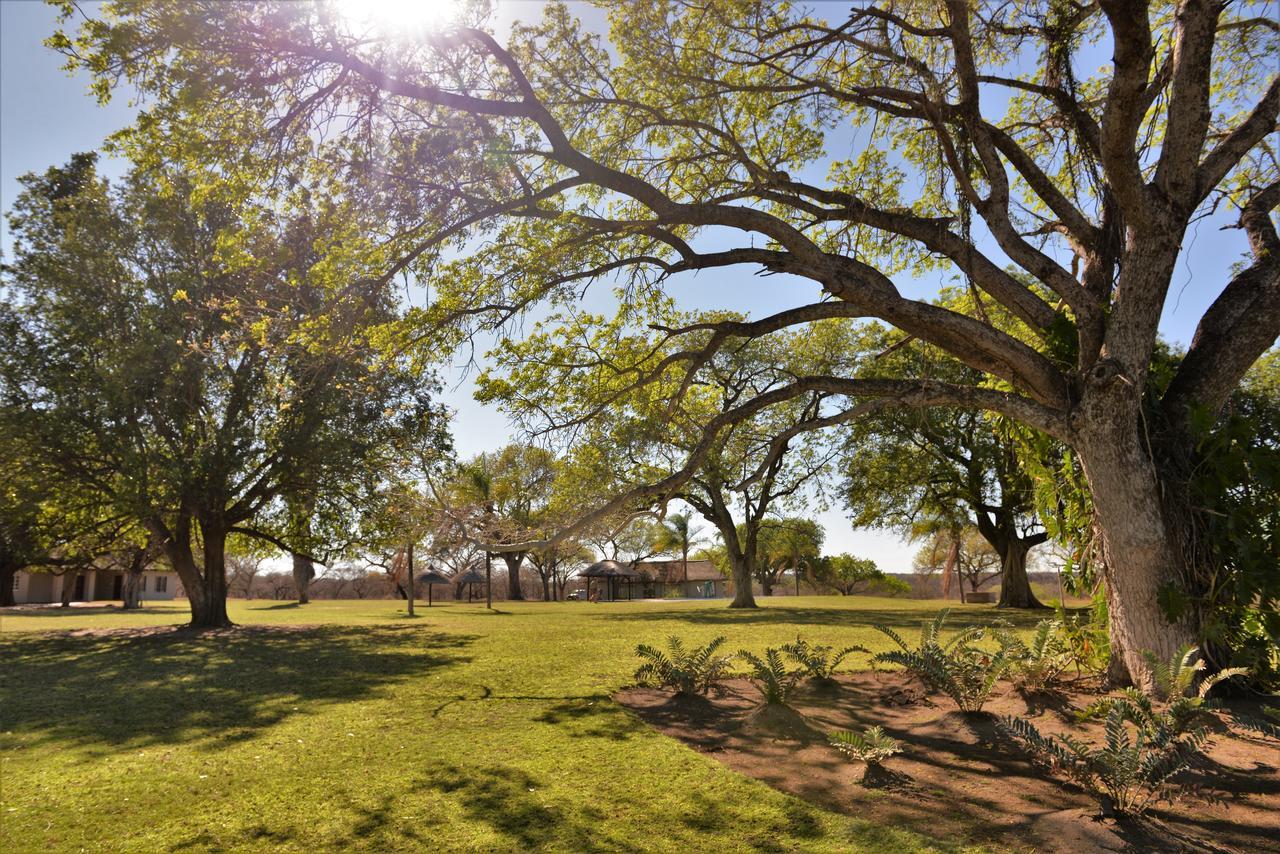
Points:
x=959, y=777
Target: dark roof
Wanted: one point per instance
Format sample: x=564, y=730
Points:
x=470, y=576
x=608, y=569
x=672, y=571
x=433, y=576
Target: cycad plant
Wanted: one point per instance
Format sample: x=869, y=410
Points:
x=1131, y=768
x=957, y=668
x=818, y=662
x=770, y=675
x=686, y=671
x=1037, y=665
x=872, y=746
x=1173, y=683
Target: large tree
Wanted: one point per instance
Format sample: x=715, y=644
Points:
x=905, y=465
x=983, y=141
x=190, y=359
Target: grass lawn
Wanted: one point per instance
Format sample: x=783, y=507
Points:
x=458, y=730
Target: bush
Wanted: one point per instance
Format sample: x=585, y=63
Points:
x=694, y=671
x=1085, y=636
x=957, y=668
x=1174, y=685
x=817, y=661
x=871, y=747
x=1130, y=770
x=770, y=675
x=1038, y=665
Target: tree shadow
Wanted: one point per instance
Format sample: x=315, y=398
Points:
x=200, y=688
x=826, y=617
x=56, y=610
x=507, y=800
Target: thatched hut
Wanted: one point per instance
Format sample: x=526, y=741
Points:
x=613, y=575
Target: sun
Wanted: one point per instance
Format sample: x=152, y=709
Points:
x=401, y=18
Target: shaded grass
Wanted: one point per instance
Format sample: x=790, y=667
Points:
x=360, y=728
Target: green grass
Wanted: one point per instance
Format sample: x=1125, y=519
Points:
x=459, y=730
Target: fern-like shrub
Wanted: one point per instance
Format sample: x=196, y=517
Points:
x=1174, y=685
x=1143, y=749
x=872, y=746
x=770, y=675
x=1038, y=665
x=685, y=671
x=1088, y=645
x=818, y=662
x=957, y=668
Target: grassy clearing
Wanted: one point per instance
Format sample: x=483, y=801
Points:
x=459, y=730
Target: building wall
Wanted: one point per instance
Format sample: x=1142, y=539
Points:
x=99, y=585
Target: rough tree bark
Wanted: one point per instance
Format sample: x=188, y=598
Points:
x=513, y=561
x=206, y=585
x=69, y=579
x=1015, y=586
x=8, y=572
x=304, y=572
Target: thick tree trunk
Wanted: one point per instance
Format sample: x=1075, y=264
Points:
x=743, y=597
x=1141, y=551
x=304, y=571
x=1015, y=586
x=206, y=590
x=69, y=579
x=131, y=589
x=7, y=573
x=513, y=561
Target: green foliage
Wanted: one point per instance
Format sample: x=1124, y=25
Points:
x=770, y=675
x=818, y=661
x=872, y=746
x=1087, y=641
x=847, y=573
x=1235, y=488
x=1181, y=697
x=1130, y=769
x=957, y=668
x=1035, y=665
x=686, y=671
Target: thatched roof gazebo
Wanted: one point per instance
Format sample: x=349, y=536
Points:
x=612, y=571
x=471, y=578
x=432, y=577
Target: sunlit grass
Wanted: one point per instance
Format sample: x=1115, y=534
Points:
x=460, y=729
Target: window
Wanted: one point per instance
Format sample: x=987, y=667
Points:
x=16, y=580
x=162, y=584
x=143, y=588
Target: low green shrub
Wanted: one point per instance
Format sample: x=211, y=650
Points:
x=818, y=662
x=1038, y=665
x=1143, y=749
x=957, y=668
x=872, y=746
x=686, y=671
x=1085, y=636
x=770, y=675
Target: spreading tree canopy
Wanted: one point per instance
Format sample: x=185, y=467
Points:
x=984, y=141
x=193, y=360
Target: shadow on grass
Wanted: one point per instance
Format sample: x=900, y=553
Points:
x=169, y=687
x=91, y=610
x=851, y=617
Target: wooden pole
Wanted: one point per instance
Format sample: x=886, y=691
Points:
x=429, y=592
x=488, y=582
x=409, y=557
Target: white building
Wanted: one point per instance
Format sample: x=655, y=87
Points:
x=90, y=585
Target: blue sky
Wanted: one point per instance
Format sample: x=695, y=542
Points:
x=45, y=116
